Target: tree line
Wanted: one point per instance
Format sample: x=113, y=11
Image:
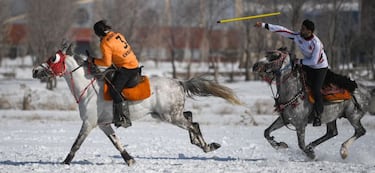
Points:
x=340, y=24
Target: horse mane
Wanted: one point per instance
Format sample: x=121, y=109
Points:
x=340, y=80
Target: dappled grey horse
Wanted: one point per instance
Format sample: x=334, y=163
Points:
x=291, y=101
x=166, y=102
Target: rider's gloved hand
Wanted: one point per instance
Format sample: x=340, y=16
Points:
x=298, y=61
x=258, y=24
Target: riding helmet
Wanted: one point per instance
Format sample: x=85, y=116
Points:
x=101, y=28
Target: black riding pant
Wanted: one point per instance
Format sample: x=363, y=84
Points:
x=120, y=80
x=315, y=79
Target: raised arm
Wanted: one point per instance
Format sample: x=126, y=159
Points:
x=277, y=29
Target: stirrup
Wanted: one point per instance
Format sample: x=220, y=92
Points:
x=317, y=122
x=125, y=124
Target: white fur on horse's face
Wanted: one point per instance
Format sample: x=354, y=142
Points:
x=41, y=71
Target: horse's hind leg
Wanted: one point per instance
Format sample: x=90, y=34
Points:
x=359, y=131
x=83, y=133
x=107, y=129
x=278, y=123
x=196, y=137
x=331, y=132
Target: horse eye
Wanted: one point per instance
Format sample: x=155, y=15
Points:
x=55, y=59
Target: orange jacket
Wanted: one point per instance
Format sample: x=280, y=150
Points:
x=116, y=50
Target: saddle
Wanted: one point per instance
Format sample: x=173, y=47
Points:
x=336, y=88
x=137, y=89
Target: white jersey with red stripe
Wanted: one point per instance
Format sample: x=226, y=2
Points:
x=311, y=49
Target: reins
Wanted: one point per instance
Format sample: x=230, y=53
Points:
x=81, y=93
x=75, y=69
x=280, y=107
x=78, y=99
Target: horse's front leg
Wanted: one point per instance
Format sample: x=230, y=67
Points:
x=108, y=130
x=83, y=133
x=278, y=123
x=301, y=143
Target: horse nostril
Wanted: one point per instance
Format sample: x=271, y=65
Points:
x=256, y=67
x=35, y=72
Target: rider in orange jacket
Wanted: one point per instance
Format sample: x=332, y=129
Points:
x=117, y=52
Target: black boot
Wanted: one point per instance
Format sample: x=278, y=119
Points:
x=121, y=114
x=317, y=120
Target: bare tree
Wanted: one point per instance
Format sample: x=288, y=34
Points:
x=333, y=34
x=182, y=30
x=367, y=38
x=179, y=21
x=210, y=11
x=4, y=15
x=347, y=34
x=49, y=22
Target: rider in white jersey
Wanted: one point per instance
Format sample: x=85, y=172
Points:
x=315, y=62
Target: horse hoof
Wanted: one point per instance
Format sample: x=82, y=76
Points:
x=68, y=159
x=130, y=162
x=344, y=153
x=310, y=152
x=282, y=145
x=212, y=147
x=65, y=163
x=311, y=155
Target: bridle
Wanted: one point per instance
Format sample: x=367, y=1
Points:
x=279, y=74
x=57, y=68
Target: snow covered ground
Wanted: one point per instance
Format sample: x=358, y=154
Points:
x=38, y=139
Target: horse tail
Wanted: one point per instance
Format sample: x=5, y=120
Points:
x=199, y=86
x=357, y=105
x=363, y=97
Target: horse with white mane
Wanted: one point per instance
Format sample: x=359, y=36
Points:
x=293, y=104
x=166, y=102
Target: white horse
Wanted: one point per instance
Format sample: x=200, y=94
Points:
x=166, y=102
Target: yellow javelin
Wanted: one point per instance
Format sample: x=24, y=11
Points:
x=248, y=17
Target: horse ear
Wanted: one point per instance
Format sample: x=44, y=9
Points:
x=69, y=50
x=283, y=49
x=65, y=46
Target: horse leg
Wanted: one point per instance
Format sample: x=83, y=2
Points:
x=359, y=131
x=309, y=151
x=83, y=133
x=331, y=132
x=107, y=129
x=196, y=137
x=278, y=123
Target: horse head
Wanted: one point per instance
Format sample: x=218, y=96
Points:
x=275, y=63
x=54, y=66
